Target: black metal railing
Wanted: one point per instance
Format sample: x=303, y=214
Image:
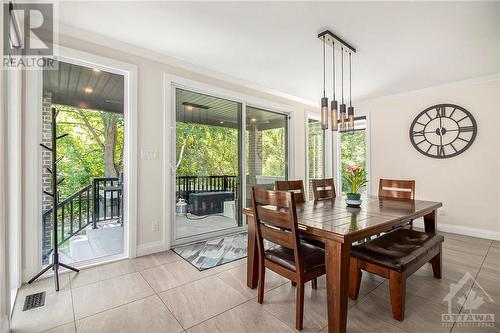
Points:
x=97, y=202
x=196, y=184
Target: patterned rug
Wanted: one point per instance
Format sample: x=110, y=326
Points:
x=214, y=252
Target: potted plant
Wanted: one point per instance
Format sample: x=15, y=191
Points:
x=355, y=178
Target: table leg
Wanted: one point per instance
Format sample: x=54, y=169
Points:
x=337, y=284
x=253, y=257
x=430, y=221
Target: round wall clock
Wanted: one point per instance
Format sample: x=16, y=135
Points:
x=443, y=131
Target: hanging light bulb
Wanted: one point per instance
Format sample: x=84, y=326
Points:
x=324, y=100
x=350, y=109
x=343, y=115
x=334, y=111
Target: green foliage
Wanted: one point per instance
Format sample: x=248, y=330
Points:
x=353, y=150
x=354, y=178
x=82, y=148
x=208, y=150
x=273, y=150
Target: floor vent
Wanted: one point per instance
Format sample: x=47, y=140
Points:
x=34, y=301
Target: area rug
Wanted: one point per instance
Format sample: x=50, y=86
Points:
x=214, y=252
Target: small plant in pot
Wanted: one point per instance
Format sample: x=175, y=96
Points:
x=355, y=178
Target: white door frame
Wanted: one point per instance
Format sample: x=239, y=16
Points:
x=14, y=180
x=171, y=82
x=32, y=162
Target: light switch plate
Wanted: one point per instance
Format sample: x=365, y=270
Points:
x=149, y=154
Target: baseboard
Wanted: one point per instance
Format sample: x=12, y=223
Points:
x=5, y=324
x=462, y=230
x=149, y=248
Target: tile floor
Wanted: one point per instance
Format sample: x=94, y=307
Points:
x=163, y=293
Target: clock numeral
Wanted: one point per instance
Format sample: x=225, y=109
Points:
x=441, y=111
x=418, y=133
x=428, y=149
x=440, y=151
x=452, y=146
x=466, y=129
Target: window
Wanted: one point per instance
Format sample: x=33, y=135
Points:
x=315, y=152
x=353, y=150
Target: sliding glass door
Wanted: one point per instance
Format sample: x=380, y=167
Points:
x=266, y=149
x=214, y=138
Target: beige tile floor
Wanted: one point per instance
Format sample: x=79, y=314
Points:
x=164, y=293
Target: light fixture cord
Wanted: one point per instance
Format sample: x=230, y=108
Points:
x=350, y=80
x=333, y=65
x=342, y=49
x=324, y=70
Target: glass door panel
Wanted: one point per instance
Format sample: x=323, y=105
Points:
x=316, y=152
x=266, y=149
x=207, y=180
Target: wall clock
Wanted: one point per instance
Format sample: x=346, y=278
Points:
x=443, y=131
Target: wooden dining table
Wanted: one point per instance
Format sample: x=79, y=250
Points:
x=338, y=226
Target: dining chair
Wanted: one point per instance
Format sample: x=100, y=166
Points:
x=295, y=186
x=297, y=261
x=395, y=188
x=323, y=189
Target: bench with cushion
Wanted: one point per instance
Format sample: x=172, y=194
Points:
x=395, y=256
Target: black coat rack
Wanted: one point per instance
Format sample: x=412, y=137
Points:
x=55, y=200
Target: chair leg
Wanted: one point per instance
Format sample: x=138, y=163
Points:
x=355, y=275
x=436, y=263
x=262, y=282
x=299, y=306
x=314, y=283
x=397, y=288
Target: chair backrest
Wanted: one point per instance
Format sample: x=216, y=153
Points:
x=295, y=186
x=393, y=188
x=276, y=220
x=323, y=189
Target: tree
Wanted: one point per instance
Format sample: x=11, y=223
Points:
x=94, y=147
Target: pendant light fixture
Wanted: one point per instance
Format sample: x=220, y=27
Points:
x=334, y=111
x=342, y=117
x=324, y=100
x=342, y=105
x=350, y=109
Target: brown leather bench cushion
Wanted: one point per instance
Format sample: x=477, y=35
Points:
x=313, y=257
x=398, y=249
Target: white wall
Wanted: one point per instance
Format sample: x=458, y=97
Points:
x=468, y=184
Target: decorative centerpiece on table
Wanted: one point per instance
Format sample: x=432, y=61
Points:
x=355, y=178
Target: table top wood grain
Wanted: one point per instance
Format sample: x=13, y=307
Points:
x=332, y=219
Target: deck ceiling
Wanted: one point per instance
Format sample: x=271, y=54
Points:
x=221, y=112
x=84, y=87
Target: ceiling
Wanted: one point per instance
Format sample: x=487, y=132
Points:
x=402, y=46
x=195, y=108
x=84, y=87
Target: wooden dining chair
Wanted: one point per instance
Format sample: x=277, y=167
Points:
x=295, y=186
x=297, y=261
x=395, y=188
x=323, y=189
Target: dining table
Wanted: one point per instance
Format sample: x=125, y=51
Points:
x=339, y=227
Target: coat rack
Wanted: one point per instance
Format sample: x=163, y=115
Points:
x=55, y=200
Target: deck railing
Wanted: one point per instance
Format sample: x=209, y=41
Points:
x=97, y=202
x=196, y=184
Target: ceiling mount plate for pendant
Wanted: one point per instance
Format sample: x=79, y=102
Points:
x=330, y=37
